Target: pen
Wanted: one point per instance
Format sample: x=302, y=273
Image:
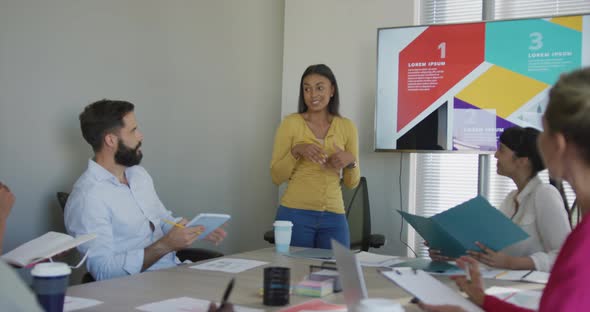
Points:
x=227, y=292
x=173, y=223
x=509, y=296
x=501, y=274
x=529, y=273
x=179, y=226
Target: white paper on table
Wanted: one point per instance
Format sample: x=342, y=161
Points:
x=529, y=299
x=370, y=259
x=537, y=277
x=229, y=265
x=512, y=275
x=428, y=289
x=524, y=276
x=77, y=303
x=186, y=304
x=490, y=273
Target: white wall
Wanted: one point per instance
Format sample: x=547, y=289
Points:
x=343, y=35
x=206, y=80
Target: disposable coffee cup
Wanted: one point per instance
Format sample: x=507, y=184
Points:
x=282, y=235
x=379, y=305
x=50, y=281
x=276, y=286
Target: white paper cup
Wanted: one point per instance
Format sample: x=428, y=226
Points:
x=282, y=235
x=50, y=281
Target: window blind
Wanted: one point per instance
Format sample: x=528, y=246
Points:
x=504, y=9
x=450, y=11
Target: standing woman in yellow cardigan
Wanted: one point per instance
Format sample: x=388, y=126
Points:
x=313, y=149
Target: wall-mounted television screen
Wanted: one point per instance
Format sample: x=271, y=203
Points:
x=456, y=87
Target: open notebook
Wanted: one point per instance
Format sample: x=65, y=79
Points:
x=44, y=247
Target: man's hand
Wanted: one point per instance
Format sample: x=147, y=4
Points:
x=180, y=238
x=176, y=239
x=311, y=152
x=6, y=202
x=217, y=236
x=340, y=158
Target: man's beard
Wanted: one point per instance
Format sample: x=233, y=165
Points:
x=126, y=156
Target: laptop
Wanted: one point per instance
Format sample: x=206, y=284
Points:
x=351, y=276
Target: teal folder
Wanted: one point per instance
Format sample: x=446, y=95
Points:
x=456, y=230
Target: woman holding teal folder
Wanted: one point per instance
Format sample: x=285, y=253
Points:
x=566, y=152
x=535, y=206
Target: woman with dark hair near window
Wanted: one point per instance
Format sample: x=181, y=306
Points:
x=566, y=152
x=535, y=206
x=313, y=149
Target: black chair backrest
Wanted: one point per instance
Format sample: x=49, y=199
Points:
x=358, y=214
x=62, y=198
x=574, y=214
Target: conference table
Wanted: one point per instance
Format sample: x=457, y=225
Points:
x=127, y=293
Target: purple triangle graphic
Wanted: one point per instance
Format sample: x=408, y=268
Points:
x=501, y=123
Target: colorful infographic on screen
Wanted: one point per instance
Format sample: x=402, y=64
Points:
x=456, y=87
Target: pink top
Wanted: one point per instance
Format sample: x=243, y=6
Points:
x=567, y=289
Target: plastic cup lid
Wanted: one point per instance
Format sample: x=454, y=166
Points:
x=282, y=223
x=51, y=269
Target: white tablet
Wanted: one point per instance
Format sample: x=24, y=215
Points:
x=210, y=221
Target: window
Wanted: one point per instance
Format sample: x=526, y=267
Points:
x=504, y=9
x=444, y=180
x=450, y=11
x=455, y=11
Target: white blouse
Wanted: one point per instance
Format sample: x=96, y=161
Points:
x=542, y=215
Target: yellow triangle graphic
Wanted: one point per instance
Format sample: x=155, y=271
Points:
x=573, y=22
x=501, y=89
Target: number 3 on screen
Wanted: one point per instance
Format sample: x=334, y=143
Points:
x=536, y=41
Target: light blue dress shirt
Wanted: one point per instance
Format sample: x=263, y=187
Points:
x=120, y=216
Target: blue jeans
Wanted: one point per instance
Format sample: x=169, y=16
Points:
x=315, y=229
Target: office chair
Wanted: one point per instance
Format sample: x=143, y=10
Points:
x=574, y=214
x=358, y=214
x=192, y=254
